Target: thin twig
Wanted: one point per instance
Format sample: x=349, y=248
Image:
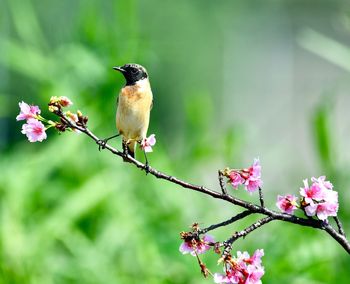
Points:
x=340, y=226
x=222, y=183
x=225, y=223
x=261, y=197
x=228, y=243
x=253, y=208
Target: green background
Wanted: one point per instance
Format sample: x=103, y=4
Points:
x=232, y=80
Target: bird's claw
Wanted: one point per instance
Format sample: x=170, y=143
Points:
x=147, y=168
x=101, y=144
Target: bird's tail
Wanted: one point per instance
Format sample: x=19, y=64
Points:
x=130, y=147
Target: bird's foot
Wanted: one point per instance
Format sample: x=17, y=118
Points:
x=147, y=168
x=101, y=143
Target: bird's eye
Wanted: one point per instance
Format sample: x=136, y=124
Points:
x=134, y=71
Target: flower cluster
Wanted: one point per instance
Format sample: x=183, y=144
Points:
x=250, y=178
x=147, y=143
x=319, y=199
x=242, y=269
x=194, y=245
x=35, y=128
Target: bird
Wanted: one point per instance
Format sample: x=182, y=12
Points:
x=134, y=105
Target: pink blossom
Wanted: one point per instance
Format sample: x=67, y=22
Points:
x=250, y=178
x=328, y=207
x=255, y=169
x=252, y=184
x=322, y=182
x=253, y=181
x=314, y=192
x=34, y=130
x=235, y=179
x=256, y=258
x=27, y=111
x=242, y=269
x=287, y=204
x=320, y=199
x=254, y=275
x=148, y=143
x=196, y=246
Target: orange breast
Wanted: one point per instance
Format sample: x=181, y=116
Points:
x=133, y=110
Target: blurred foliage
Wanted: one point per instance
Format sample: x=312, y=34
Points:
x=71, y=214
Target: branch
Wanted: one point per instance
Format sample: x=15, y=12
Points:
x=243, y=233
x=261, y=197
x=252, y=208
x=227, y=222
x=340, y=226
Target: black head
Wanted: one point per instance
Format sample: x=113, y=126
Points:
x=132, y=73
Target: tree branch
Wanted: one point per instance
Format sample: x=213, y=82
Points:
x=243, y=233
x=252, y=208
x=340, y=226
x=227, y=222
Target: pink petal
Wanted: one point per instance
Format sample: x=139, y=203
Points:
x=311, y=209
x=148, y=149
x=185, y=248
x=152, y=140
x=208, y=239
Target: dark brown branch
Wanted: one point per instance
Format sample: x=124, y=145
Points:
x=225, y=223
x=253, y=208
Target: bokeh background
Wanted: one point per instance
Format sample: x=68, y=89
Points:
x=232, y=80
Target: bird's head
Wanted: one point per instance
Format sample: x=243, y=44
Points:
x=132, y=73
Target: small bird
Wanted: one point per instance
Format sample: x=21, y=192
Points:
x=134, y=105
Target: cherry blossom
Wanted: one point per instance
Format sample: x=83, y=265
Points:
x=287, y=203
x=34, y=130
x=253, y=182
x=27, y=111
x=148, y=143
x=250, y=178
x=236, y=179
x=242, y=269
x=196, y=246
x=319, y=199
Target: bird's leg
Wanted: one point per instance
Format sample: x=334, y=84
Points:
x=125, y=147
x=146, y=162
x=102, y=143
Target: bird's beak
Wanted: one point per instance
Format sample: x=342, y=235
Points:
x=119, y=68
